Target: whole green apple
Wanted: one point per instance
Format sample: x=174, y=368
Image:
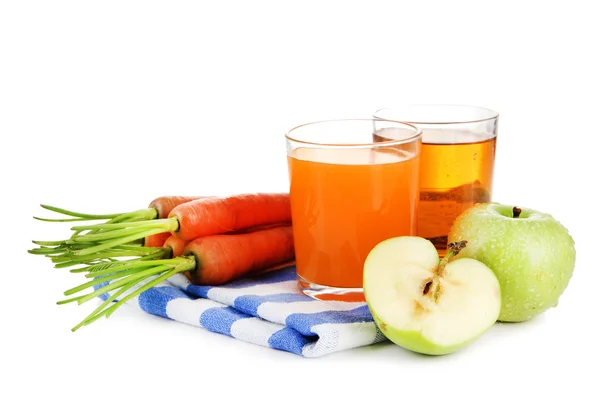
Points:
x=531, y=253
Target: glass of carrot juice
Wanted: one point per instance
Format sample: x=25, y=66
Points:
x=457, y=162
x=349, y=190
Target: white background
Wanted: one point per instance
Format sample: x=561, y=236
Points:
x=107, y=105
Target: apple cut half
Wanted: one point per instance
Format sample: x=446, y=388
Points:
x=425, y=305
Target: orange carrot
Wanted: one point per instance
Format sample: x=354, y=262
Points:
x=188, y=221
x=163, y=206
x=156, y=240
x=222, y=258
x=219, y=215
x=176, y=245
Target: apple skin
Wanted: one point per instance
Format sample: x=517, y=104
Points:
x=416, y=342
x=533, y=256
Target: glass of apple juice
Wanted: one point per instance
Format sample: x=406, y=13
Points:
x=348, y=193
x=457, y=162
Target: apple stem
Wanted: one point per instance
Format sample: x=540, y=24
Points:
x=456, y=246
x=453, y=249
x=516, y=212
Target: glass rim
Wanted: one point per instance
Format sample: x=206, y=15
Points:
x=417, y=134
x=491, y=114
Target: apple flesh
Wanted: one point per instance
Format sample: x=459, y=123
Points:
x=425, y=305
x=530, y=252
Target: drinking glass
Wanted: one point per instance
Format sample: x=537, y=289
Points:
x=457, y=162
x=349, y=192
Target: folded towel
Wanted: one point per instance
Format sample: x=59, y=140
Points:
x=267, y=310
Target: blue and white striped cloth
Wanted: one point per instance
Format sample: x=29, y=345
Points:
x=267, y=310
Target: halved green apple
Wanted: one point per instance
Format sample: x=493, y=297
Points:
x=425, y=305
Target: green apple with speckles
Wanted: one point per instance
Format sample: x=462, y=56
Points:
x=531, y=253
x=425, y=305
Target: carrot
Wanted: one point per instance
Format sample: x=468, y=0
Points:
x=210, y=260
x=156, y=240
x=198, y=218
x=163, y=206
x=224, y=214
x=222, y=258
x=176, y=244
x=173, y=246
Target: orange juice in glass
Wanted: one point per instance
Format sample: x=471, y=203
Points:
x=348, y=193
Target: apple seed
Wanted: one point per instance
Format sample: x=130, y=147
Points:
x=427, y=287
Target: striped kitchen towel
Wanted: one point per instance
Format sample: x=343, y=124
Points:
x=267, y=310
